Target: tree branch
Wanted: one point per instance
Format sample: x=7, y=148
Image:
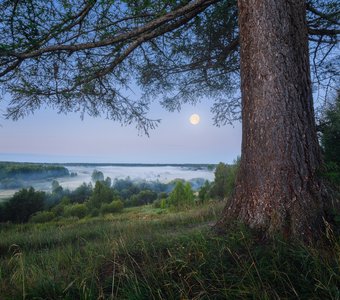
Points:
x=135, y=44
x=323, y=31
x=198, y=5
x=327, y=17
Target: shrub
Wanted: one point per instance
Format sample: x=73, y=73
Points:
x=113, y=207
x=42, y=217
x=76, y=210
x=94, y=212
x=157, y=203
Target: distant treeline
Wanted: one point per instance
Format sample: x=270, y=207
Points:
x=14, y=175
x=189, y=166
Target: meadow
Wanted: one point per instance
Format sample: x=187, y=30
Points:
x=152, y=253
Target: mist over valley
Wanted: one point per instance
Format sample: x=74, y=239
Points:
x=71, y=176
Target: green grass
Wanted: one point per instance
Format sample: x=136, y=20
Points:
x=148, y=253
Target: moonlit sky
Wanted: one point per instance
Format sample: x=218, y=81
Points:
x=50, y=137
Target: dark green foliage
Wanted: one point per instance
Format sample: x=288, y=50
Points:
x=204, y=192
x=123, y=184
x=3, y=212
x=225, y=176
x=332, y=173
x=220, y=189
x=129, y=190
x=223, y=184
x=81, y=193
x=144, y=197
x=330, y=141
x=35, y=171
x=22, y=205
x=126, y=188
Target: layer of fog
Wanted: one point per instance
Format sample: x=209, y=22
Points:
x=162, y=174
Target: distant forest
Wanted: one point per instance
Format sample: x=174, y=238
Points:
x=190, y=166
x=13, y=175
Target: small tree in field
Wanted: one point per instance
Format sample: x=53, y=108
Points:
x=224, y=183
x=101, y=194
x=182, y=195
x=205, y=192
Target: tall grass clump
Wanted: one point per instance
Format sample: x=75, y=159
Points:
x=200, y=265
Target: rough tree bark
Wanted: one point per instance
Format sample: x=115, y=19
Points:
x=277, y=189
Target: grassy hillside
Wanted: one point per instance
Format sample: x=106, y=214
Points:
x=149, y=253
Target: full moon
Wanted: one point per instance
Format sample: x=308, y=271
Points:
x=194, y=119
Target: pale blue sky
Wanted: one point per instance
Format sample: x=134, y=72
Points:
x=50, y=137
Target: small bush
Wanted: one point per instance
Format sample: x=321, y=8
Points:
x=181, y=196
x=113, y=207
x=95, y=212
x=42, y=217
x=76, y=210
x=163, y=203
x=160, y=203
x=157, y=203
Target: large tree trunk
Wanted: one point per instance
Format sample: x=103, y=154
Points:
x=277, y=189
